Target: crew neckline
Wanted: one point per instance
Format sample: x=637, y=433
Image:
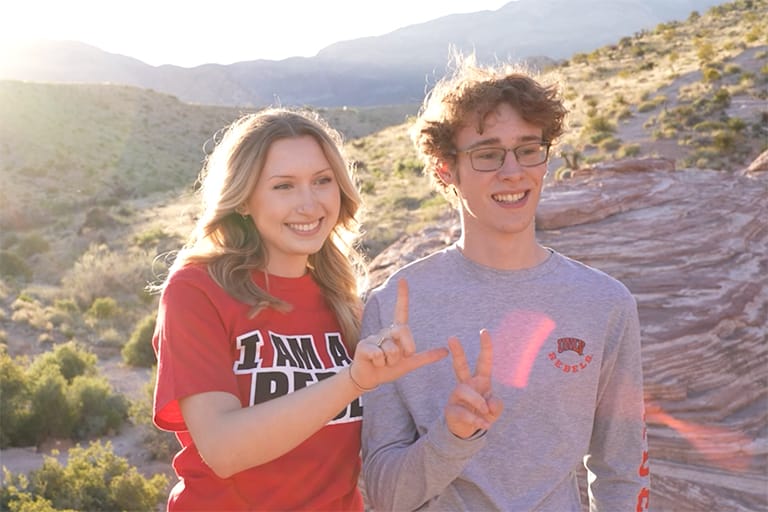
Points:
x=484, y=271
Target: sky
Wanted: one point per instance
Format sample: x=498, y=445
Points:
x=193, y=32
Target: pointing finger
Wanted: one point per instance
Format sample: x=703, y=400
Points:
x=401, y=304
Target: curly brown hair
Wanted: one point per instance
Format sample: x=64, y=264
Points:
x=467, y=95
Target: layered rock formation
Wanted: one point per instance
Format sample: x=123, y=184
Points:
x=692, y=246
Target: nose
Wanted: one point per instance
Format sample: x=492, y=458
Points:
x=510, y=168
x=307, y=201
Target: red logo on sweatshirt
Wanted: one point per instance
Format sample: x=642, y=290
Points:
x=570, y=363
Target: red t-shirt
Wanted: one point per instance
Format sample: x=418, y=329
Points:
x=205, y=341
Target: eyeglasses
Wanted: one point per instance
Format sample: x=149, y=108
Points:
x=529, y=154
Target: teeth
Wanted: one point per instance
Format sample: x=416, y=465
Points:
x=508, y=198
x=304, y=227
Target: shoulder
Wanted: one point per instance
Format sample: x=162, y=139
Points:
x=191, y=279
x=189, y=275
x=428, y=268
x=587, y=277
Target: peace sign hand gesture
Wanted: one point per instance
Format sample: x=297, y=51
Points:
x=472, y=406
x=391, y=353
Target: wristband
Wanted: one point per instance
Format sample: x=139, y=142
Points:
x=358, y=386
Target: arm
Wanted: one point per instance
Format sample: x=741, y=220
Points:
x=216, y=421
x=618, y=458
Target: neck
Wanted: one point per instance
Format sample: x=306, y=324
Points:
x=286, y=268
x=516, y=252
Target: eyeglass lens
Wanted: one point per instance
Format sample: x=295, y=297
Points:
x=491, y=159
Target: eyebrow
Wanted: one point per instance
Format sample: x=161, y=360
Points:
x=284, y=176
x=497, y=141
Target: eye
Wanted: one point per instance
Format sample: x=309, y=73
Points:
x=487, y=154
x=324, y=180
x=529, y=149
x=282, y=186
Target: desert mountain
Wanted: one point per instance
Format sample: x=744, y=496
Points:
x=390, y=69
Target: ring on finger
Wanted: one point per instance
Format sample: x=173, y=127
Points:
x=381, y=340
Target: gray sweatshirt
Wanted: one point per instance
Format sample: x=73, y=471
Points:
x=566, y=364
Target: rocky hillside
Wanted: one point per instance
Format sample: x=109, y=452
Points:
x=692, y=246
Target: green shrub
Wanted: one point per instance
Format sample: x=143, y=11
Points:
x=14, y=267
x=138, y=351
x=721, y=98
x=610, y=144
x=57, y=395
x=31, y=245
x=96, y=408
x=69, y=359
x=710, y=74
x=14, y=393
x=50, y=414
x=708, y=126
x=103, y=308
x=101, y=272
x=150, y=238
x=600, y=124
x=94, y=478
x=628, y=151
x=724, y=141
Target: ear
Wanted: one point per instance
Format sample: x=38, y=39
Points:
x=242, y=210
x=444, y=172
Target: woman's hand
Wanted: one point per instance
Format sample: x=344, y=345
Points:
x=392, y=352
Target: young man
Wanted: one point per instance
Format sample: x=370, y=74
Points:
x=558, y=376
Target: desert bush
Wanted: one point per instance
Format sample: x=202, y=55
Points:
x=708, y=126
x=138, y=351
x=722, y=98
x=31, y=245
x=600, y=124
x=736, y=124
x=724, y=140
x=94, y=478
x=14, y=267
x=13, y=390
x=624, y=113
x=150, y=238
x=408, y=166
x=610, y=144
x=69, y=359
x=49, y=412
x=57, y=395
x=710, y=74
x=8, y=240
x=628, y=151
x=103, y=308
x=101, y=272
x=27, y=310
x=96, y=409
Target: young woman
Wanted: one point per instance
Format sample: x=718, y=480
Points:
x=259, y=368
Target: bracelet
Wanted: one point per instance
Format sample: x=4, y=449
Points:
x=358, y=386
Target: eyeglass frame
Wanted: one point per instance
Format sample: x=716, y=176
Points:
x=547, y=144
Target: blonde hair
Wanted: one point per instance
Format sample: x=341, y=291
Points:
x=467, y=94
x=229, y=244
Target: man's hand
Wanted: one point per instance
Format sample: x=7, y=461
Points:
x=472, y=406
